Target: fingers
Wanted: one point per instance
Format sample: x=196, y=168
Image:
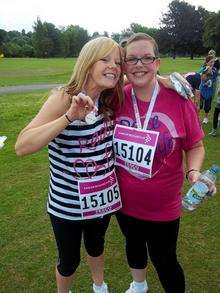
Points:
x=193, y=176
x=213, y=190
x=83, y=101
x=181, y=85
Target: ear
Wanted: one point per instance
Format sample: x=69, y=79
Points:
x=157, y=63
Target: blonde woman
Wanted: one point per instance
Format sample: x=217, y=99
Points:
x=76, y=124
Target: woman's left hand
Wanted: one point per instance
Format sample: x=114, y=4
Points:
x=178, y=83
x=193, y=177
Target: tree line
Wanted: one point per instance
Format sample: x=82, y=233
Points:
x=184, y=31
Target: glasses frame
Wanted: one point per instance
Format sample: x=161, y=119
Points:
x=136, y=59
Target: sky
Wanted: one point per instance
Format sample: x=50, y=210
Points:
x=112, y=16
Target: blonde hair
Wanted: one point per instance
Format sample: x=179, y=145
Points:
x=212, y=52
x=209, y=58
x=91, y=52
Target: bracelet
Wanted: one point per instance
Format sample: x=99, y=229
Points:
x=70, y=121
x=187, y=173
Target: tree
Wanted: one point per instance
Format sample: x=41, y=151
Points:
x=74, y=37
x=184, y=26
x=211, y=36
x=11, y=49
x=3, y=35
x=116, y=37
x=138, y=28
x=46, y=39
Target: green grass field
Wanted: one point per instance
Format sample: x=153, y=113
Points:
x=19, y=71
x=27, y=247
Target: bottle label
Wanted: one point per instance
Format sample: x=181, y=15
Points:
x=196, y=193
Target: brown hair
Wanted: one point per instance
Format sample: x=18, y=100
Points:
x=142, y=36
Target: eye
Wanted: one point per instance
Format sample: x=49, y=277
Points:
x=104, y=59
x=118, y=63
x=149, y=58
x=131, y=59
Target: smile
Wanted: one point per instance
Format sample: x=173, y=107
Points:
x=110, y=76
x=139, y=74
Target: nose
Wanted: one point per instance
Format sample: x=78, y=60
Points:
x=112, y=64
x=139, y=61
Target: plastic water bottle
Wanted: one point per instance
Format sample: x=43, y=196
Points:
x=201, y=188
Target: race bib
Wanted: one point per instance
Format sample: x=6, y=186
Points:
x=135, y=150
x=99, y=197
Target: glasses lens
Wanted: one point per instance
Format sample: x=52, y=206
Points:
x=144, y=60
x=131, y=61
x=148, y=60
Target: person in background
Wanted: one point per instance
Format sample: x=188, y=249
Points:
x=153, y=129
x=216, y=116
x=217, y=82
x=194, y=79
x=208, y=77
x=76, y=122
x=217, y=62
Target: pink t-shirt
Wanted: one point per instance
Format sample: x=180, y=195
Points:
x=176, y=120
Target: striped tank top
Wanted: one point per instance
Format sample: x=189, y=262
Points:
x=79, y=152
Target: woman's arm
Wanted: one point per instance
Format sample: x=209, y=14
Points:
x=178, y=83
x=194, y=160
x=46, y=125
x=51, y=120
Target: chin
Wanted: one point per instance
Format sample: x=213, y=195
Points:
x=110, y=85
x=139, y=83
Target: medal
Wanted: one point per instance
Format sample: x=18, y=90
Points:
x=90, y=118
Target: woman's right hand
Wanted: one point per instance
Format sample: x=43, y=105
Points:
x=80, y=106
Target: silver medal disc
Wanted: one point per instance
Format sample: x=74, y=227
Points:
x=90, y=118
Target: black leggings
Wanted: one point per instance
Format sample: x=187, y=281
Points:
x=205, y=104
x=215, y=117
x=68, y=235
x=159, y=240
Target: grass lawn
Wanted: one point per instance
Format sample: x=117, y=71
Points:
x=19, y=71
x=27, y=247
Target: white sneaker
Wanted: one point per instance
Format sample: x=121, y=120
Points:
x=133, y=289
x=100, y=289
x=213, y=132
x=205, y=120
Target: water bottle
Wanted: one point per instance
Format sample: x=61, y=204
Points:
x=201, y=188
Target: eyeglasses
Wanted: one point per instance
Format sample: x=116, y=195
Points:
x=144, y=60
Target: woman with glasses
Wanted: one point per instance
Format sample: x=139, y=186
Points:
x=153, y=129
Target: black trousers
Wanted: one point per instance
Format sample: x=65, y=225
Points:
x=158, y=239
x=68, y=235
x=205, y=104
x=215, y=117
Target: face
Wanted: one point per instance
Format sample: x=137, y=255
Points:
x=211, y=62
x=140, y=74
x=105, y=73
